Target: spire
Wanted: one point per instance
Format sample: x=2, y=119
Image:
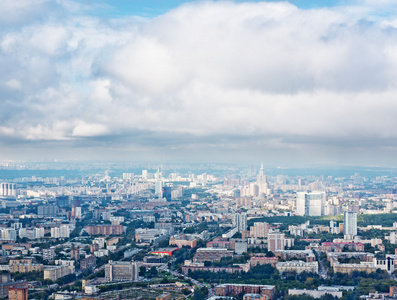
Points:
x=261, y=171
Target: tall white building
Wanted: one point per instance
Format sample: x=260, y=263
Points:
x=158, y=189
x=7, y=189
x=240, y=222
x=310, y=204
x=60, y=232
x=261, y=181
x=350, y=224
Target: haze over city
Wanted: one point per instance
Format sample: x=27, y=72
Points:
x=300, y=83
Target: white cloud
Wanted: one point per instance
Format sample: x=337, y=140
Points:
x=89, y=130
x=254, y=71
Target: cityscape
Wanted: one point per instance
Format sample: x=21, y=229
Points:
x=198, y=149
x=154, y=231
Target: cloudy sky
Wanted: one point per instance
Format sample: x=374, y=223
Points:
x=288, y=83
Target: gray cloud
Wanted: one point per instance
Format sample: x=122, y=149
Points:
x=209, y=77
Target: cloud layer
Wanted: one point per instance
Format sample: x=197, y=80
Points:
x=262, y=78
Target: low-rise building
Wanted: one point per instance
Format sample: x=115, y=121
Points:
x=230, y=289
x=211, y=254
x=315, y=293
x=121, y=271
x=55, y=272
x=183, y=240
x=297, y=266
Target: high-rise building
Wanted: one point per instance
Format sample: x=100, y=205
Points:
x=310, y=204
x=350, y=224
x=240, y=222
x=275, y=241
x=158, y=189
x=8, y=234
x=60, y=232
x=259, y=230
x=38, y=233
x=49, y=254
x=7, y=189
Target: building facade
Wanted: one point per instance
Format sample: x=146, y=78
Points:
x=121, y=271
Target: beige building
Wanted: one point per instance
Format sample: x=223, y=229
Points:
x=275, y=241
x=297, y=266
x=259, y=230
x=367, y=267
x=55, y=272
x=24, y=266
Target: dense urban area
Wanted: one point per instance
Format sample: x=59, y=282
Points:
x=206, y=233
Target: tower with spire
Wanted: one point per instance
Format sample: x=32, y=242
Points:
x=261, y=181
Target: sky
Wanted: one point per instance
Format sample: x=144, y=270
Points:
x=299, y=83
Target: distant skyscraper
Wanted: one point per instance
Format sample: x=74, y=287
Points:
x=310, y=204
x=158, y=189
x=261, y=181
x=350, y=224
x=7, y=189
x=240, y=221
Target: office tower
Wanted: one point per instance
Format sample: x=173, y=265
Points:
x=144, y=174
x=350, y=224
x=310, y=204
x=240, y=221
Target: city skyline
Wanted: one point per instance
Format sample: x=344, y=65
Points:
x=299, y=83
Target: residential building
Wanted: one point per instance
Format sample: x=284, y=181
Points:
x=88, y=263
x=240, y=222
x=105, y=230
x=275, y=241
x=49, y=254
x=297, y=266
x=55, y=272
x=259, y=230
x=18, y=293
x=350, y=224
